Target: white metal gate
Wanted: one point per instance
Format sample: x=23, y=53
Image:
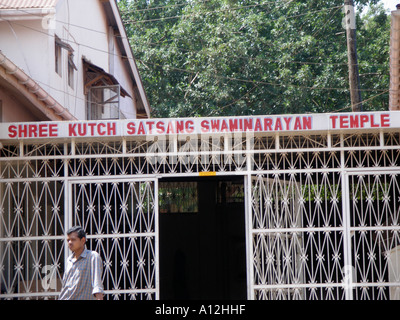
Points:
x=324, y=235
x=121, y=219
x=119, y=215
x=32, y=241
x=294, y=230
x=322, y=212
x=374, y=241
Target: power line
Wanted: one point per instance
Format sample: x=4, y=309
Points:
x=207, y=12
x=119, y=36
x=271, y=60
x=127, y=38
x=184, y=70
x=160, y=7
x=86, y=28
x=371, y=98
x=217, y=76
x=258, y=82
x=236, y=100
x=299, y=62
x=66, y=40
x=266, y=59
x=263, y=59
x=177, y=69
x=225, y=10
x=62, y=22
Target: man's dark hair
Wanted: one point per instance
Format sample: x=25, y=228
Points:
x=79, y=231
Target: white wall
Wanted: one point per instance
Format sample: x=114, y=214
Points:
x=127, y=104
x=26, y=44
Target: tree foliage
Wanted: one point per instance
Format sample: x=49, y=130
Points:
x=247, y=57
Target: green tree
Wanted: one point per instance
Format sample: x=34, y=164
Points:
x=231, y=57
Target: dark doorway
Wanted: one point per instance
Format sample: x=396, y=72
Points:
x=202, y=239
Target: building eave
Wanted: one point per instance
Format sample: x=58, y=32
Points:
x=27, y=4
x=25, y=14
x=11, y=10
x=114, y=17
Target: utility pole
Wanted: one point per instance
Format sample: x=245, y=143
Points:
x=354, y=78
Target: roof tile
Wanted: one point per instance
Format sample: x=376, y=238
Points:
x=27, y=4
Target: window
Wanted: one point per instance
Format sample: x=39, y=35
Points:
x=59, y=45
x=103, y=102
x=71, y=69
x=103, y=93
x=57, y=55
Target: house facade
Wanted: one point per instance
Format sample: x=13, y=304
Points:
x=67, y=60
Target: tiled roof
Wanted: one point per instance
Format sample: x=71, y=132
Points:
x=27, y=4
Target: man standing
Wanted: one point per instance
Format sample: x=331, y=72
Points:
x=82, y=277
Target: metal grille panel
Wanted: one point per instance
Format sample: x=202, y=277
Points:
x=120, y=218
x=32, y=242
x=375, y=230
x=322, y=211
x=297, y=236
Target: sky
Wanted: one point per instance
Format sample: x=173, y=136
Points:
x=390, y=4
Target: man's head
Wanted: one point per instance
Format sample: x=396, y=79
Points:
x=76, y=238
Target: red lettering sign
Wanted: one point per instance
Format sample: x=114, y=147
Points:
x=33, y=130
x=360, y=121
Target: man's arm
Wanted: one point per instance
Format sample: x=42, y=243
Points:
x=99, y=296
x=97, y=270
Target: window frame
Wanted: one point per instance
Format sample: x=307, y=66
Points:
x=58, y=56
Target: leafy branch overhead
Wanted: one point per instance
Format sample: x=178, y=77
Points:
x=229, y=57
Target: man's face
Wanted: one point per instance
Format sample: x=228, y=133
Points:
x=74, y=243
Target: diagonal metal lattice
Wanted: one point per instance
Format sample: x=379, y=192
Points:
x=322, y=211
x=296, y=247
x=120, y=218
x=375, y=229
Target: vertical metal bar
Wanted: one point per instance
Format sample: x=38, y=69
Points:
x=329, y=142
x=346, y=271
x=249, y=237
x=67, y=197
x=67, y=205
x=156, y=240
x=123, y=146
x=21, y=148
x=73, y=147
